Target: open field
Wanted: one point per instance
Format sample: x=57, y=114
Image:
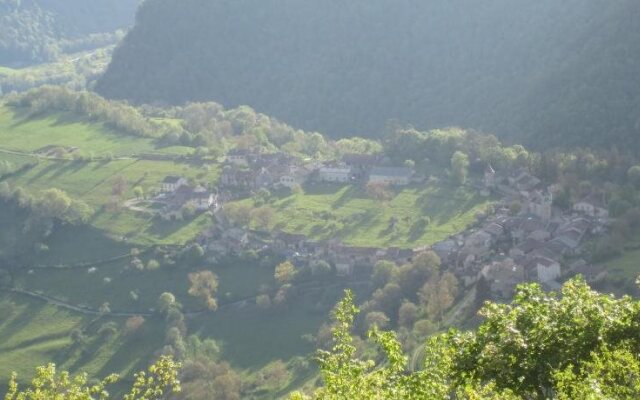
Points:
x=35, y=333
x=625, y=267
x=92, y=182
x=237, y=280
x=22, y=133
x=349, y=213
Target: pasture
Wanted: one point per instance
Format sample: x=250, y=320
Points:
x=415, y=215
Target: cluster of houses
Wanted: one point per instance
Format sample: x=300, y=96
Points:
x=534, y=242
x=177, y=195
x=540, y=243
x=249, y=171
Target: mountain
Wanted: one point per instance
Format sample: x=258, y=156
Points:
x=546, y=73
x=31, y=30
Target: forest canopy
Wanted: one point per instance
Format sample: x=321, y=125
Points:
x=535, y=73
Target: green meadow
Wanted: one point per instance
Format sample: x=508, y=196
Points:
x=35, y=333
x=414, y=216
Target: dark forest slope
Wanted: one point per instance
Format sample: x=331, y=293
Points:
x=31, y=30
x=551, y=72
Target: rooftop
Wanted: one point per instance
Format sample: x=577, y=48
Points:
x=396, y=172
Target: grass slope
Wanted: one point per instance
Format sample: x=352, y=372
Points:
x=92, y=182
x=348, y=213
x=35, y=333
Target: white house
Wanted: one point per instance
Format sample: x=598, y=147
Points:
x=540, y=204
x=593, y=206
x=489, y=177
x=171, y=183
x=238, y=157
x=335, y=174
x=547, y=270
x=391, y=175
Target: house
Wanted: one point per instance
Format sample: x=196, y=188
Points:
x=489, y=177
x=263, y=179
x=478, y=245
x=171, y=183
x=341, y=174
x=494, y=229
x=344, y=267
x=593, y=206
x=544, y=269
x=445, y=249
x=361, y=164
x=238, y=157
x=290, y=241
x=238, y=178
x=540, y=204
x=503, y=277
x=187, y=196
x=526, y=247
x=398, y=176
x=522, y=180
x=202, y=201
x=528, y=225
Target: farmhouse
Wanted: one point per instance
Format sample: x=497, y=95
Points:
x=391, y=175
x=238, y=157
x=545, y=269
x=503, y=276
x=171, y=183
x=187, y=196
x=335, y=174
x=593, y=206
x=540, y=204
x=489, y=177
x=361, y=164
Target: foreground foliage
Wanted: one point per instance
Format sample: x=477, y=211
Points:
x=48, y=384
x=576, y=344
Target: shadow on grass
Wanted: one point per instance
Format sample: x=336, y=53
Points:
x=135, y=350
x=19, y=321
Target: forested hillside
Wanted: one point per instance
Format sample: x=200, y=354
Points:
x=545, y=72
x=38, y=30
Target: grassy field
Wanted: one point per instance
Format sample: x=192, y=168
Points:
x=237, y=280
x=626, y=266
x=21, y=133
x=348, y=213
x=34, y=333
x=92, y=182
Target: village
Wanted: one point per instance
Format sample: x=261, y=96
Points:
x=524, y=238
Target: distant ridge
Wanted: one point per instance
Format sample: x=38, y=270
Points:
x=546, y=73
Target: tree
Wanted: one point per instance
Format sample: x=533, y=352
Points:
x=284, y=273
x=238, y=214
x=376, y=319
x=133, y=324
x=264, y=216
x=321, y=269
x=152, y=265
x=118, y=186
x=263, y=301
x=204, y=285
x=577, y=344
x=459, y=167
x=438, y=294
x=166, y=301
x=138, y=191
x=383, y=271
x=407, y=314
x=160, y=379
x=633, y=174
x=379, y=192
